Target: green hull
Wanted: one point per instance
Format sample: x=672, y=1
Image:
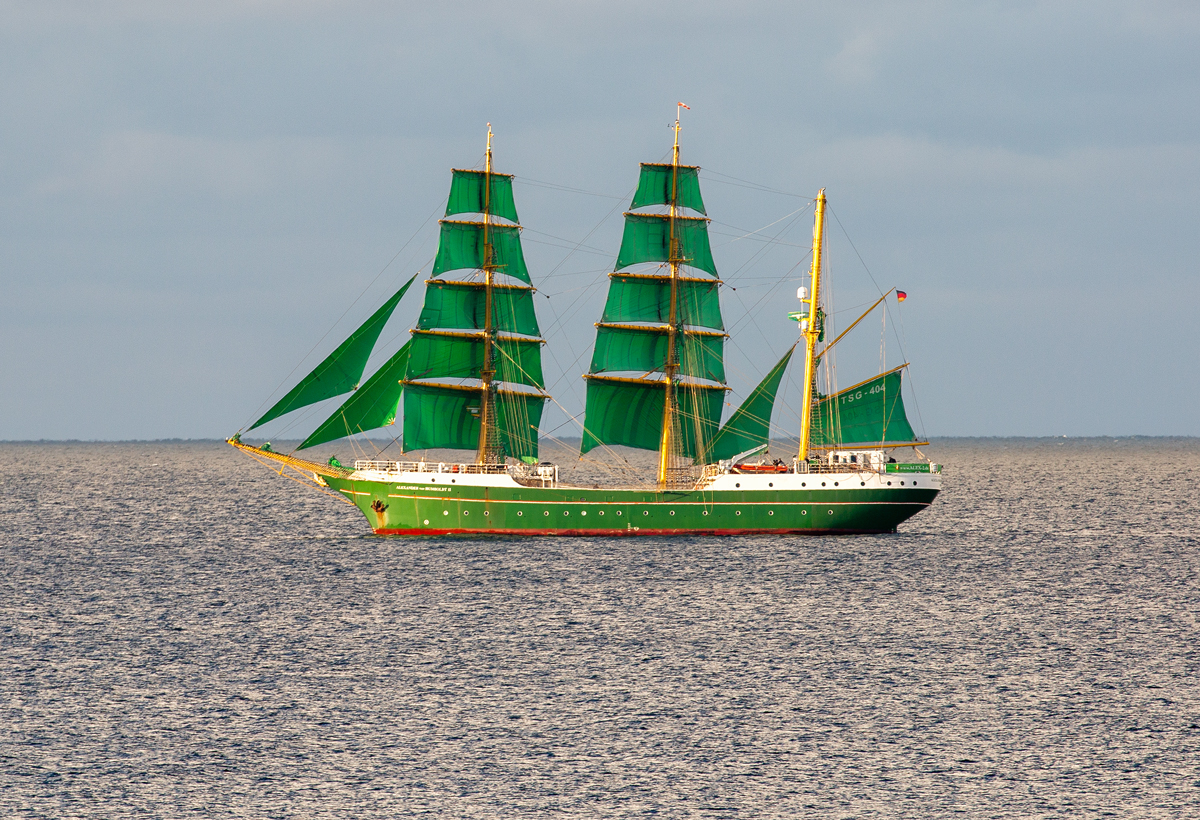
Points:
x=463, y=509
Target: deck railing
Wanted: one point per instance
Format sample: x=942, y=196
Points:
x=426, y=467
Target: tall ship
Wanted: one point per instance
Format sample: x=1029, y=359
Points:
x=470, y=380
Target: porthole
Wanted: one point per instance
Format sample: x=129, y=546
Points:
x=566, y=512
x=645, y=512
x=485, y=512
x=547, y=512
x=466, y=512
x=737, y=485
x=583, y=512
x=426, y=522
x=445, y=512
x=889, y=483
x=802, y=484
x=835, y=483
x=672, y=512
x=454, y=481
x=831, y=512
x=601, y=512
x=704, y=513
x=770, y=483
x=618, y=512
x=901, y=483
x=862, y=483
x=770, y=512
x=822, y=483
x=737, y=512
x=804, y=512
x=519, y=514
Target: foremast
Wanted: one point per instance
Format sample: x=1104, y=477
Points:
x=810, y=329
x=667, y=446
x=489, y=450
x=474, y=378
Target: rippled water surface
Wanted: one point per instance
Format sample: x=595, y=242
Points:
x=183, y=633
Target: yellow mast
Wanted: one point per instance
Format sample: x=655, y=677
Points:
x=666, y=443
x=811, y=331
x=487, y=423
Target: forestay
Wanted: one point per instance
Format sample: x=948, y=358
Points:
x=750, y=424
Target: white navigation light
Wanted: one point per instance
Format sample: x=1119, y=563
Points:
x=802, y=293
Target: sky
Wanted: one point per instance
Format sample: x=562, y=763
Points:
x=199, y=201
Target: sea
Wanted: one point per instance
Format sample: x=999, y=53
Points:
x=185, y=633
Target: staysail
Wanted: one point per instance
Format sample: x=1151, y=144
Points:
x=657, y=376
x=370, y=407
x=750, y=425
x=342, y=370
x=474, y=378
x=869, y=413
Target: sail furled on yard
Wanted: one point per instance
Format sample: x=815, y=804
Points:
x=474, y=379
x=659, y=353
x=370, y=407
x=870, y=413
x=750, y=424
x=341, y=370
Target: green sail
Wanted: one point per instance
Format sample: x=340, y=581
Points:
x=467, y=195
x=867, y=413
x=654, y=187
x=630, y=414
x=648, y=299
x=750, y=424
x=644, y=350
x=461, y=246
x=460, y=306
x=440, y=417
x=342, y=369
x=370, y=407
x=519, y=415
x=647, y=238
x=443, y=417
x=441, y=356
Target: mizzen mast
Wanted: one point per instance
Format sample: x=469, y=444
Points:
x=810, y=328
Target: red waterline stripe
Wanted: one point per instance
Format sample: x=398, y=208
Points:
x=611, y=533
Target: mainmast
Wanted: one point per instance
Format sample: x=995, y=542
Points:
x=810, y=328
x=657, y=378
x=672, y=365
x=489, y=451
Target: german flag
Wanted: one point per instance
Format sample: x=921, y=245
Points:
x=901, y=296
